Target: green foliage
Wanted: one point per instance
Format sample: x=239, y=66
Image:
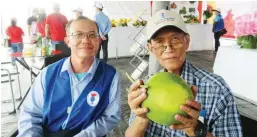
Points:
x=207, y=14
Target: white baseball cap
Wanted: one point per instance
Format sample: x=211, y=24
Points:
x=98, y=5
x=164, y=18
x=14, y=19
x=78, y=9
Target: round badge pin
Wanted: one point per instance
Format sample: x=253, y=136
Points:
x=93, y=98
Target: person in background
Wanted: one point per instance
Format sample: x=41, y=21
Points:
x=218, y=26
x=77, y=12
x=56, y=25
x=77, y=96
x=41, y=23
x=32, y=23
x=15, y=34
x=104, y=27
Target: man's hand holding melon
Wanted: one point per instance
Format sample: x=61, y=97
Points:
x=182, y=111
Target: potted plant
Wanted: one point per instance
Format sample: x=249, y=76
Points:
x=207, y=14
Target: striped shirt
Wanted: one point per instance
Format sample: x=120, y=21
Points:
x=222, y=118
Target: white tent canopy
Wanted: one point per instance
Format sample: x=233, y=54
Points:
x=114, y=9
x=126, y=9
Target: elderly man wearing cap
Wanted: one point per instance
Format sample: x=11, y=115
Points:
x=104, y=27
x=218, y=27
x=168, y=42
x=77, y=12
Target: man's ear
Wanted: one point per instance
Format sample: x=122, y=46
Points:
x=99, y=40
x=187, y=41
x=67, y=41
x=149, y=47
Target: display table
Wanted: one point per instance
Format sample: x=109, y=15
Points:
x=201, y=38
x=238, y=68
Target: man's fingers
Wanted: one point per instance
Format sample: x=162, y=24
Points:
x=137, y=101
x=194, y=90
x=187, y=121
x=135, y=94
x=194, y=104
x=136, y=85
x=140, y=111
x=179, y=127
x=190, y=111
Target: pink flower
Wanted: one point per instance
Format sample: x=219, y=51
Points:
x=253, y=27
x=247, y=17
x=239, y=19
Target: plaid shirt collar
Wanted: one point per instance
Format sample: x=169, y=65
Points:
x=188, y=73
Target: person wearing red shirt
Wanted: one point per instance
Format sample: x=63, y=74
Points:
x=41, y=24
x=56, y=24
x=15, y=34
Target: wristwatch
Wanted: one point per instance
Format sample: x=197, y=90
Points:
x=200, y=130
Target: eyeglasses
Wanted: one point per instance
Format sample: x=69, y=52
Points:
x=176, y=41
x=81, y=35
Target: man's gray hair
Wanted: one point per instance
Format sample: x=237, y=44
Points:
x=78, y=19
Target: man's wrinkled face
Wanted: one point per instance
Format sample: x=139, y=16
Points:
x=83, y=39
x=169, y=47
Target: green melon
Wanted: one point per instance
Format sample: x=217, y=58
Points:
x=239, y=40
x=255, y=44
x=249, y=42
x=166, y=92
x=243, y=40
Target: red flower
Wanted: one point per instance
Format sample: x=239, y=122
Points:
x=93, y=94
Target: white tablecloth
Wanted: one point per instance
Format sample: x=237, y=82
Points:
x=239, y=69
x=201, y=38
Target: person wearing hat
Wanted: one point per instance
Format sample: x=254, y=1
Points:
x=41, y=23
x=218, y=27
x=56, y=25
x=105, y=26
x=214, y=103
x=78, y=12
x=15, y=34
x=32, y=23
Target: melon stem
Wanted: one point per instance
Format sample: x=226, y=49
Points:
x=133, y=81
